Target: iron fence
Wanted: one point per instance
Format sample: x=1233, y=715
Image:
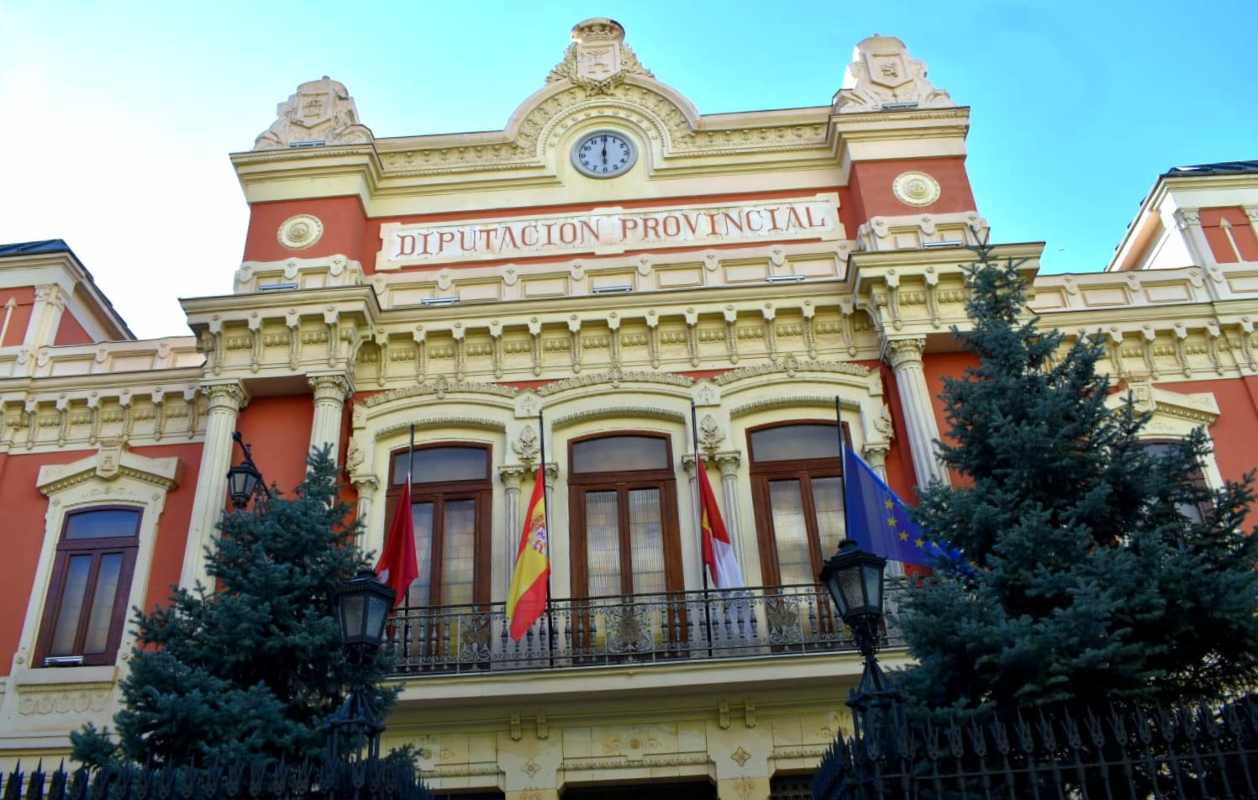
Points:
x=644, y=628
x=376, y=779
x=1090, y=754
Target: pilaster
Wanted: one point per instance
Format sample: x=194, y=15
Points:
x=511, y=476
x=330, y=390
x=50, y=303
x=226, y=398
x=905, y=356
x=1188, y=220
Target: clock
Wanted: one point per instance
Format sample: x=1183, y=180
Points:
x=604, y=154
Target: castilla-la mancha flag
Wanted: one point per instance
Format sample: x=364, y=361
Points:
x=398, y=566
x=530, y=578
x=718, y=550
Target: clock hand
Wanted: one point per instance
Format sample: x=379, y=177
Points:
x=604, y=151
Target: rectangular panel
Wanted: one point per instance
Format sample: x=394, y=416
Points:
x=827, y=499
x=73, y=592
x=458, y=557
x=420, y=593
x=104, y=599
x=602, y=543
x=646, y=541
x=609, y=230
x=786, y=506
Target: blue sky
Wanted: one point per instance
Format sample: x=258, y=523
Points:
x=119, y=116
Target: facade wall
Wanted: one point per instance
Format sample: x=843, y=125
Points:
x=331, y=338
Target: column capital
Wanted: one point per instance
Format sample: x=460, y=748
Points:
x=513, y=474
x=905, y=351
x=227, y=395
x=1187, y=218
x=727, y=460
x=333, y=386
x=364, y=483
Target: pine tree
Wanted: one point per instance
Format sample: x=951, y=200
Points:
x=255, y=666
x=1092, y=583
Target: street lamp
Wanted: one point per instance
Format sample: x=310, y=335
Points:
x=243, y=480
x=855, y=581
x=362, y=607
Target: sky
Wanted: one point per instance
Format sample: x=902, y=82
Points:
x=118, y=116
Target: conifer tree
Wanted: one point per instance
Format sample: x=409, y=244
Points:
x=254, y=666
x=1105, y=571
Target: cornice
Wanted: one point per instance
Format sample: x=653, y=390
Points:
x=440, y=388
x=276, y=300
x=791, y=366
x=615, y=378
x=618, y=412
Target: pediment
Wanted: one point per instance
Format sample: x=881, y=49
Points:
x=110, y=462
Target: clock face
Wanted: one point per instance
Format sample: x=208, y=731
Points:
x=604, y=154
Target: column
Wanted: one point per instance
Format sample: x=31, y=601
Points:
x=226, y=400
x=511, y=476
x=875, y=455
x=330, y=391
x=905, y=356
x=366, y=486
x=728, y=461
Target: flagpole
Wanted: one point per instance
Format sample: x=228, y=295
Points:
x=550, y=561
x=838, y=419
x=703, y=567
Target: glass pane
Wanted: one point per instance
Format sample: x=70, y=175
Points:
x=103, y=601
x=617, y=453
x=441, y=464
x=795, y=441
x=458, y=563
x=646, y=540
x=421, y=590
x=102, y=524
x=787, y=507
x=827, y=497
x=71, y=606
x=602, y=543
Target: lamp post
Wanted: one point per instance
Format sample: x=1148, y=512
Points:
x=855, y=581
x=244, y=480
x=362, y=608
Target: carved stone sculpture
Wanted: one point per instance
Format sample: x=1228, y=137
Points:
x=882, y=75
x=321, y=112
x=598, y=58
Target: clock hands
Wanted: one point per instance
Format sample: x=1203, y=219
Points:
x=604, y=151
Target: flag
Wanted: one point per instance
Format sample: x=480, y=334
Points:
x=526, y=599
x=718, y=550
x=398, y=566
x=880, y=523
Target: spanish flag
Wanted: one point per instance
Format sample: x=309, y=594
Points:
x=530, y=579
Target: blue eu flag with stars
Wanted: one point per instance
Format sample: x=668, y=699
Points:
x=880, y=523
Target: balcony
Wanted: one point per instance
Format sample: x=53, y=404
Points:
x=641, y=629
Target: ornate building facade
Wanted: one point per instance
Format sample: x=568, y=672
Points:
x=609, y=257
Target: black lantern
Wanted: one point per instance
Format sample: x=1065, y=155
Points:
x=362, y=606
x=243, y=480
x=854, y=579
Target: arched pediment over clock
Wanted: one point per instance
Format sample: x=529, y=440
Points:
x=600, y=81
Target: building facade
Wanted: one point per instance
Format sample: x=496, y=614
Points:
x=578, y=278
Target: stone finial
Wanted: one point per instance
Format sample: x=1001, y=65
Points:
x=598, y=58
x=321, y=112
x=883, y=76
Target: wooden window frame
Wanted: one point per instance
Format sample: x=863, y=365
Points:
x=480, y=490
x=1198, y=475
x=805, y=470
x=622, y=482
x=128, y=546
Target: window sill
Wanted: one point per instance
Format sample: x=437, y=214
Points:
x=56, y=676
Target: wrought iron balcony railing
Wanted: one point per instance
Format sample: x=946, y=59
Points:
x=637, y=629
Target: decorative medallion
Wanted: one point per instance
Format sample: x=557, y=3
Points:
x=300, y=232
x=740, y=756
x=915, y=188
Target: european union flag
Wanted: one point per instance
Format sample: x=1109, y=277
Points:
x=880, y=523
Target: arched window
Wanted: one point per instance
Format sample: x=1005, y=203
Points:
x=87, y=609
x=450, y=506
x=797, y=486
x=623, y=507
